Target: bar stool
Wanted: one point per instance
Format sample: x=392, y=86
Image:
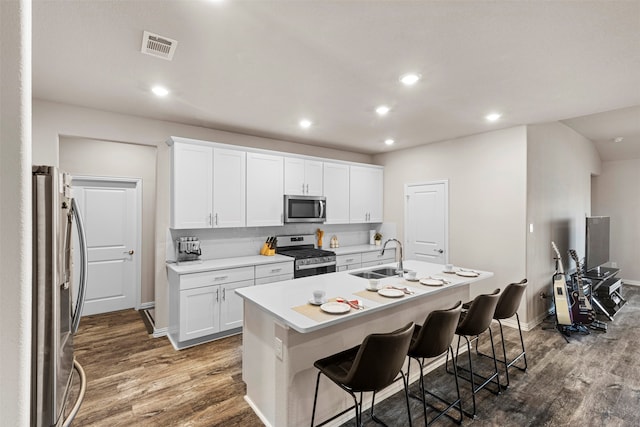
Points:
x=508, y=307
x=433, y=339
x=369, y=367
x=472, y=323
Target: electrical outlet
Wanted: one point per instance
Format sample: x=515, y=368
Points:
x=614, y=265
x=277, y=347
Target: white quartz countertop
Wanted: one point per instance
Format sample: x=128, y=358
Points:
x=220, y=264
x=278, y=299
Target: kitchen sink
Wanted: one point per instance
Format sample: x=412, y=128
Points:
x=368, y=275
x=377, y=273
x=387, y=271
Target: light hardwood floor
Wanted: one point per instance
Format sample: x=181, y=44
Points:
x=135, y=380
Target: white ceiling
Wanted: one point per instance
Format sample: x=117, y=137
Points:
x=259, y=66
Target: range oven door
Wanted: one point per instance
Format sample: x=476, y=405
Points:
x=305, y=209
x=314, y=269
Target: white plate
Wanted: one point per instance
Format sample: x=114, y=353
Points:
x=467, y=273
x=391, y=293
x=335, y=307
x=432, y=282
x=314, y=302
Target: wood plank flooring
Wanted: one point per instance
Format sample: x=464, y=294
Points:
x=136, y=380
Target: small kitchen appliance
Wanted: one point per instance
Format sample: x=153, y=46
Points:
x=188, y=249
x=309, y=261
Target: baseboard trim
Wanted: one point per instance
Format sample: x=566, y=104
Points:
x=160, y=332
x=147, y=305
x=630, y=282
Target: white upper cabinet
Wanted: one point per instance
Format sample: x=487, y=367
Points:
x=366, y=188
x=336, y=190
x=229, y=188
x=208, y=187
x=302, y=177
x=265, y=183
x=223, y=186
x=192, y=186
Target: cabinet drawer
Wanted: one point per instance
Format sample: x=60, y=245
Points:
x=277, y=269
x=272, y=279
x=216, y=277
x=389, y=254
x=348, y=259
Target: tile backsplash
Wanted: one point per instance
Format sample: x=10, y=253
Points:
x=236, y=242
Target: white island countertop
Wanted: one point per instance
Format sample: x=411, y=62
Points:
x=279, y=299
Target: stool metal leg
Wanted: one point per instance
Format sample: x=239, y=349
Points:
x=423, y=392
x=506, y=362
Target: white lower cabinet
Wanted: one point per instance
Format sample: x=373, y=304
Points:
x=348, y=262
x=204, y=306
x=277, y=272
x=371, y=259
x=199, y=312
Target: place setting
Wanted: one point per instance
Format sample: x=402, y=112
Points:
x=320, y=308
x=374, y=291
x=449, y=269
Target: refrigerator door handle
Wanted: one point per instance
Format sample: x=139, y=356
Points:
x=83, y=266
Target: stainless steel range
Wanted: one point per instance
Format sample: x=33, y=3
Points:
x=309, y=261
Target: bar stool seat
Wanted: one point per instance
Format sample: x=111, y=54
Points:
x=369, y=367
x=472, y=323
x=430, y=340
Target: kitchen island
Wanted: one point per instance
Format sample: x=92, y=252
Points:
x=284, y=335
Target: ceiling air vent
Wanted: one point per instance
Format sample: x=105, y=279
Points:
x=158, y=46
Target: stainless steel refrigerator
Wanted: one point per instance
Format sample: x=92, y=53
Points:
x=55, y=315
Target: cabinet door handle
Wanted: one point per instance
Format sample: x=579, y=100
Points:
x=210, y=221
x=224, y=294
x=307, y=188
x=303, y=188
x=275, y=270
x=216, y=219
x=349, y=260
x=217, y=294
x=220, y=277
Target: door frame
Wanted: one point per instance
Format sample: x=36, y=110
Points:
x=137, y=182
x=446, y=212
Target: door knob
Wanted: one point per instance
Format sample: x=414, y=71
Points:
x=439, y=251
x=131, y=252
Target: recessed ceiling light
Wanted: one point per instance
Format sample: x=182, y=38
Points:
x=493, y=117
x=305, y=123
x=382, y=110
x=389, y=141
x=409, y=79
x=618, y=139
x=160, y=91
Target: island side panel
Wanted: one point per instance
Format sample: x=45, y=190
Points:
x=259, y=363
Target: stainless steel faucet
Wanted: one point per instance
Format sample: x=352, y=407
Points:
x=400, y=269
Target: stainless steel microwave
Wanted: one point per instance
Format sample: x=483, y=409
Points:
x=305, y=209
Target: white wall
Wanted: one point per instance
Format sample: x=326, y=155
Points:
x=616, y=193
x=52, y=120
x=487, y=198
x=560, y=163
x=82, y=156
x=15, y=212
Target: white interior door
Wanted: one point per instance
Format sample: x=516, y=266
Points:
x=111, y=210
x=426, y=222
